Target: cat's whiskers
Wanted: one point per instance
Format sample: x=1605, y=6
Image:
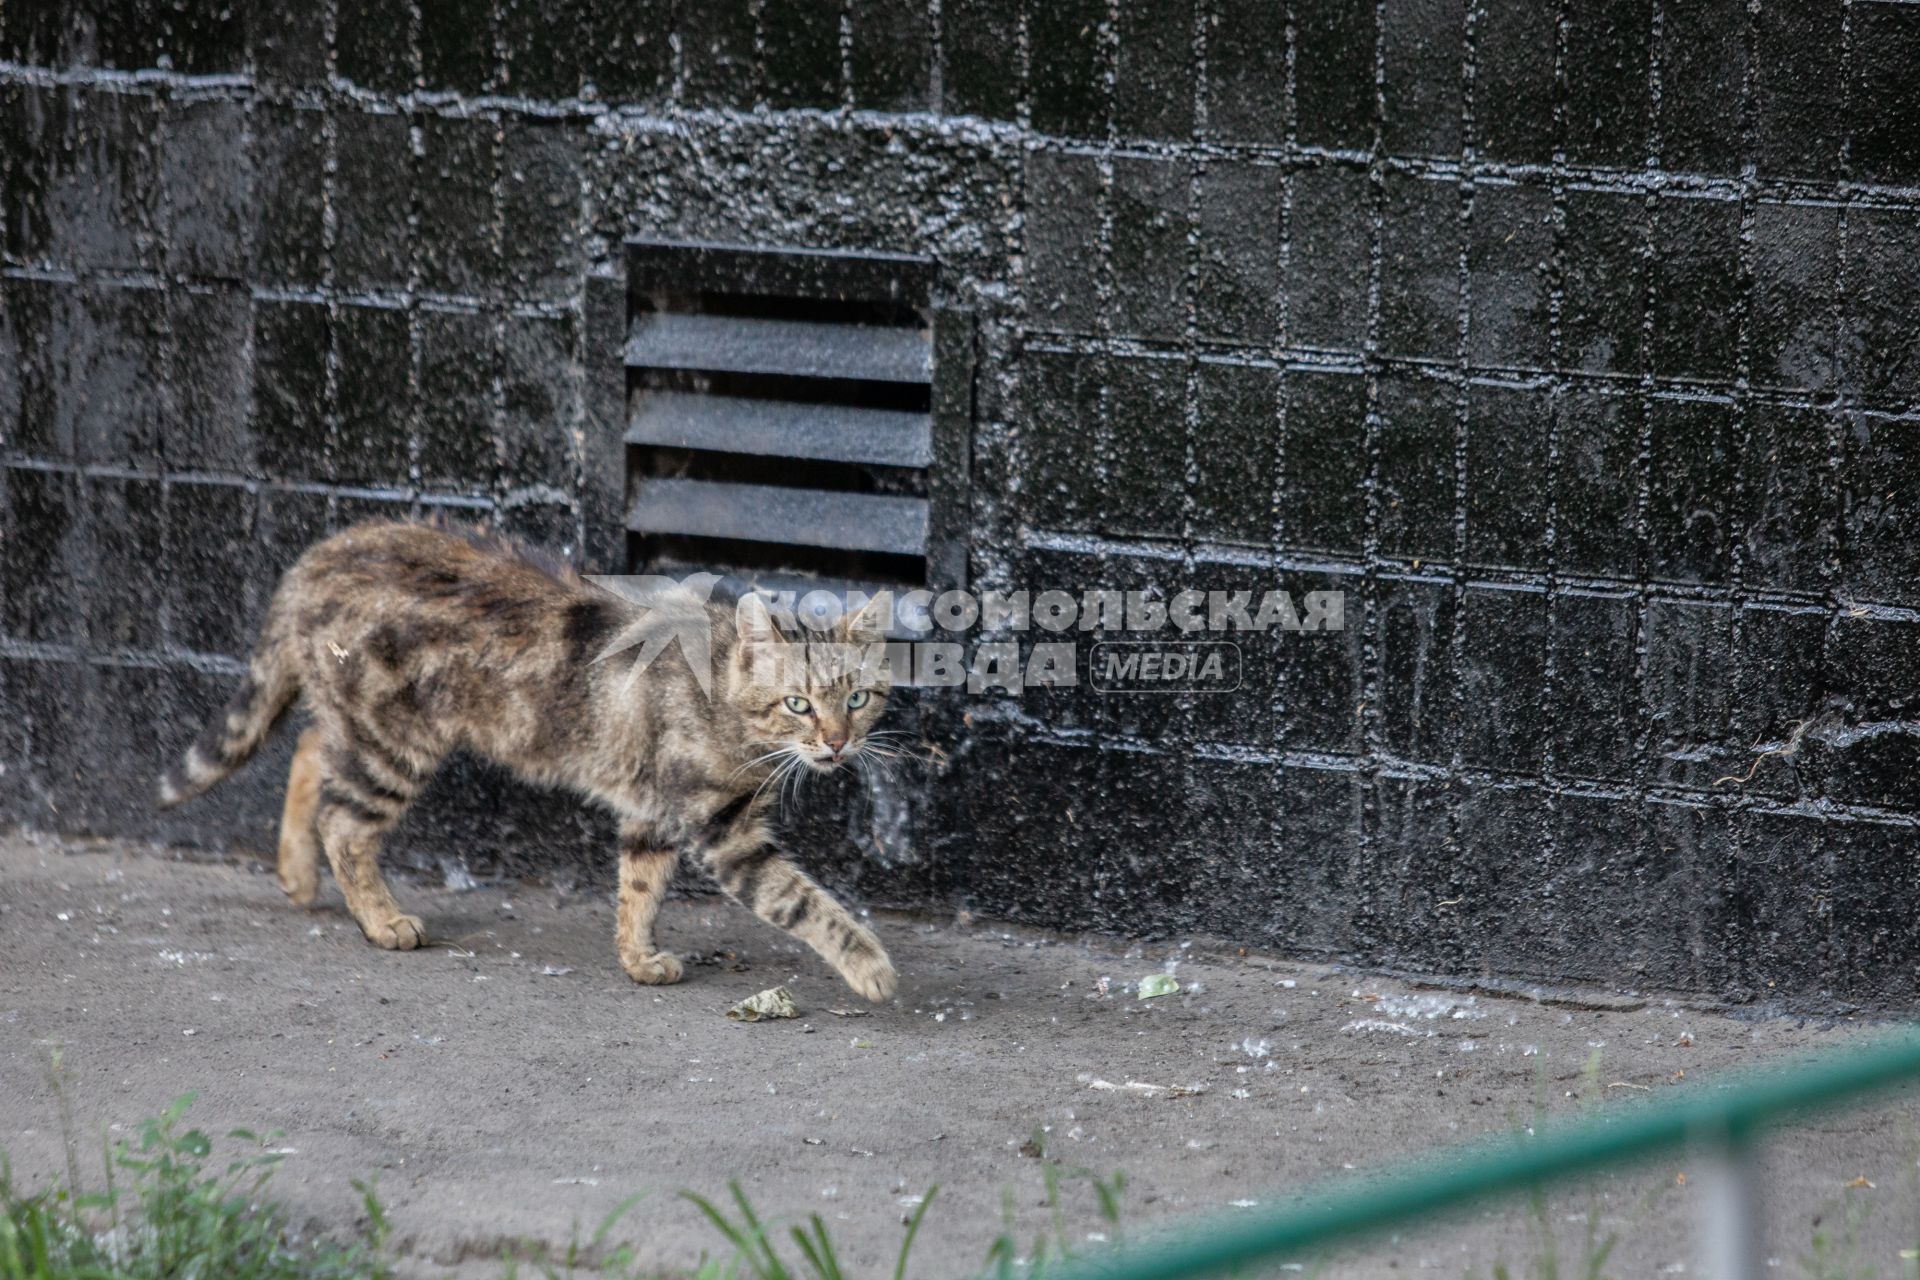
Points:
x=899, y=741
x=881, y=766
x=867, y=757
x=870, y=767
x=793, y=759
x=798, y=778
x=894, y=751
x=874, y=755
x=795, y=782
x=778, y=781
x=771, y=755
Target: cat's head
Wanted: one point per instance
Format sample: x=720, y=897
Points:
x=811, y=697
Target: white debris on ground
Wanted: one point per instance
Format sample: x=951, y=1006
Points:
x=1423, y=1006
x=1140, y=1088
x=1381, y=1024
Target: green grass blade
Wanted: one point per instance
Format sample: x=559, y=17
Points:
x=720, y=1221
x=1109, y=1198
x=913, y=1229
x=378, y=1228
x=749, y=1243
x=746, y=1209
x=769, y=1264
x=811, y=1254
x=833, y=1271
x=620, y=1211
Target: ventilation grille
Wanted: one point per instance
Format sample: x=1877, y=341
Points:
x=780, y=423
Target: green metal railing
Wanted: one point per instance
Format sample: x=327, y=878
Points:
x=1719, y=1119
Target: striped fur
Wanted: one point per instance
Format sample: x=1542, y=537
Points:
x=230, y=739
x=405, y=643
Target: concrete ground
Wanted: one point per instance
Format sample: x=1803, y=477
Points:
x=512, y=1082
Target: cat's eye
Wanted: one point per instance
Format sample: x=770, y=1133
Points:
x=798, y=705
x=858, y=699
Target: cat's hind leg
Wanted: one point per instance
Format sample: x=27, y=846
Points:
x=299, y=841
x=646, y=869
x=783, y=895
x=364, y=788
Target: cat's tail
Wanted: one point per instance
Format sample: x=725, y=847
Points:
x=235, y=733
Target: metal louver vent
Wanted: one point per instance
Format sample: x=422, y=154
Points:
x=782, y=422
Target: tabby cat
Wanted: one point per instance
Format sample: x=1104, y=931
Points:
x=407, y=642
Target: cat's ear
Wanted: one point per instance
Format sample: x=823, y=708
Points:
x=869, y=624
x=755, y=622
x=757, y=658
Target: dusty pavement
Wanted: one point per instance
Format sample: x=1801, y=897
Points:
x=514, y=1082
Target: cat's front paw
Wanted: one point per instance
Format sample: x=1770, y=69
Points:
x=400, y=933
x=872, y=976
x=656, y=969
x=300, y=889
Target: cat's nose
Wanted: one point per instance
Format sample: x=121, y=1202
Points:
x=835, y=744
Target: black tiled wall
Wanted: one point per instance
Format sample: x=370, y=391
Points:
x=1579, y=343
